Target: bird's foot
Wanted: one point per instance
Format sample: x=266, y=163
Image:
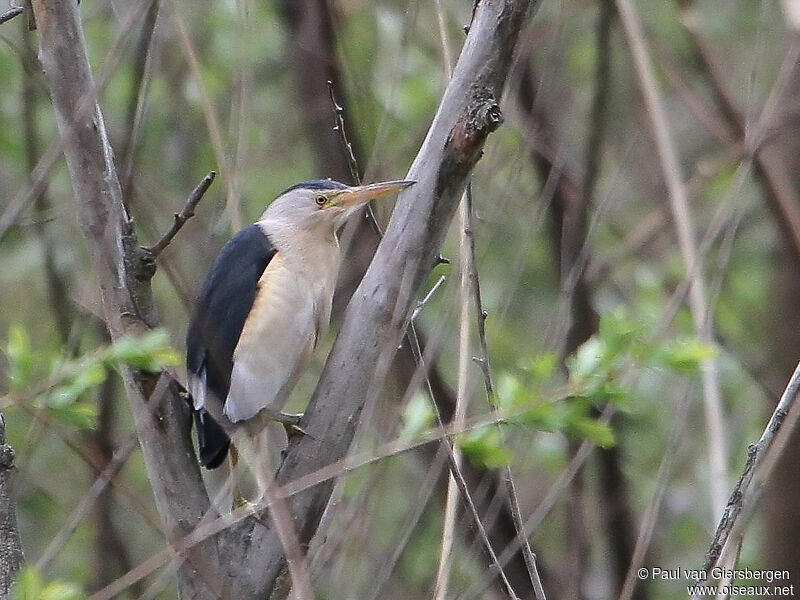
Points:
x=291, y=423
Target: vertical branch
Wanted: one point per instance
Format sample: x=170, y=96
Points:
x=56, y=284
x=483, y=362
x=140, y=84
x=679, y=206
x=11, y=556
x=161, y=415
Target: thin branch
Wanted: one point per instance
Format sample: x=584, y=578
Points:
x=483, y=361
x=679, y=205
x=338, y=112
x=137, y=101
x=84, y=507
x=10, y=14
x=779, y=192
x=421, y=303
x=744, y=497
x=212, y=122
x=39, y=175
x=161, y=415
x=185, y=214
x=302, y=484
x=662, y=480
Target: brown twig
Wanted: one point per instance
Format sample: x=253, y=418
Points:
x=483, y=362
x=185, y=214
x=338, y=111
x=10, y=14
x=85, y=506
x=744, y=497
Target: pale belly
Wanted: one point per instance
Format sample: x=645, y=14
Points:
x=275, y=345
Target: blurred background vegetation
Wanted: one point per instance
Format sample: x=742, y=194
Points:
x=572, y=231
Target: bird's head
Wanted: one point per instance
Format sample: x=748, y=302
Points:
x=326, y=203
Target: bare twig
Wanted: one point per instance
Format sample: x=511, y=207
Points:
x=421, y=303
x=84, y=507
x=744, y=497
x=185, y=214
x=338, y=112
x=212, y=122
x=778, y=189
x=483, y=362
x=679, y=205
x=293, y=488
x=39, y=175
x=462, y=395
x=654, y=507
x=10, y=14
x=137, y=101
x=127, y=300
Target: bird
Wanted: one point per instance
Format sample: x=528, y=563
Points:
x=261, y=312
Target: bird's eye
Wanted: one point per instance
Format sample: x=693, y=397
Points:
x=320, y=201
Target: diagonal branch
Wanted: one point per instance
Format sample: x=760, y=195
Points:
x=376, y=317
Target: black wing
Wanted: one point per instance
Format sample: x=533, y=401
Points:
x=221, y=310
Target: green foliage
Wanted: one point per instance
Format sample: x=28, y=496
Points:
x=63, y=388
x=29, y=585
x=594, y=379
x=417, y=416
x=21, y=359
x=484, y=447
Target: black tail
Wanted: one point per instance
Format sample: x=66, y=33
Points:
x=211, y=438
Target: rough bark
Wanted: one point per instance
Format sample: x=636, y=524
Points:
x=11, y=557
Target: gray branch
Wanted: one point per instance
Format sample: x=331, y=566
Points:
x=11, y=557
x=161, y=417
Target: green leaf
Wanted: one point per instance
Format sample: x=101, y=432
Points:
x=484, y=447
x=617, y=333
x=600, y=434
x=417, y=416
x=148, y=352
x=587, y=360
x=79, y=414
x=543, y=366
x=28, y=584
x=62, y=590
x=72, y=388
x=21, y=359
x=684, y=356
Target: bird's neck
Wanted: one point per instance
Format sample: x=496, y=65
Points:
x=316, y=249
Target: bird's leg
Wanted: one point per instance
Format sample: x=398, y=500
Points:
x=238, y=499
